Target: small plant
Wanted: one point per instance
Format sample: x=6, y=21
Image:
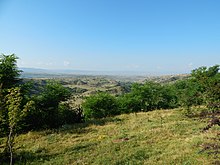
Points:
x=16, y=112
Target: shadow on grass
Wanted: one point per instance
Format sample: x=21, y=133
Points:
x=81, y=128
x=24, y=157
x=80, y=147
x=41, y=155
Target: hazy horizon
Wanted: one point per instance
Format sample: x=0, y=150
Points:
x=143, y=36
x=97, y=72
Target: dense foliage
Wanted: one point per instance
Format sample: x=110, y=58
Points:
x=142, y=97
x=46, y=112
x=100, y=105
x=209, y=80
x=202, y=88
x=9, y=73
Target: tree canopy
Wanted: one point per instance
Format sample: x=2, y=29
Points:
x=9, y=73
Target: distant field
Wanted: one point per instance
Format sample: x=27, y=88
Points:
x=85, y=85
x=42, y=74
x=157, y=137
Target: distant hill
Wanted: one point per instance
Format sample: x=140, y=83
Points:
x=36, y=72
x=33, y=70
x=118, y=76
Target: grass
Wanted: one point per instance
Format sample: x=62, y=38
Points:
x=157, y=137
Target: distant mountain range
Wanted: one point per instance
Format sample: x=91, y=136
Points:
x=36, y=71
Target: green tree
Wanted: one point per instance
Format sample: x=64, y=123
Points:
x=16, y=112
x=46, y=113
x=149, y=95
x=189, y=94
x=202, y=88
x=9, y=77
x=169, y=97
x=9, y=73
x=129, y=103
x=213, y=94
x=69, y=114
x=202, y=74
x=209, y=79
x=100, y=105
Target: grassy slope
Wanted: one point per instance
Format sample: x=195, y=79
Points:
x=157, y=137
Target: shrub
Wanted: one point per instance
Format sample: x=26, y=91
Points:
x=68, y=115
x=148, y=96
x=213, y=94
x=100, y=105
x=46, y=113
x=129, y=103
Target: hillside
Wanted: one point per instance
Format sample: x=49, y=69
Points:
x=156, y=137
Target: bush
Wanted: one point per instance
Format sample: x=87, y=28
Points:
x=213, y=94
x=46, y=112
x=100, y=105
x=168, y=97
x=189, y=93
x=68, y=115
x=148, y=96
x=129, y=103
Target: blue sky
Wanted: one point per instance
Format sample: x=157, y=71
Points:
x=152, y=36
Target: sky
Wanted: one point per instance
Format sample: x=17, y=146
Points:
x=151, y=36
